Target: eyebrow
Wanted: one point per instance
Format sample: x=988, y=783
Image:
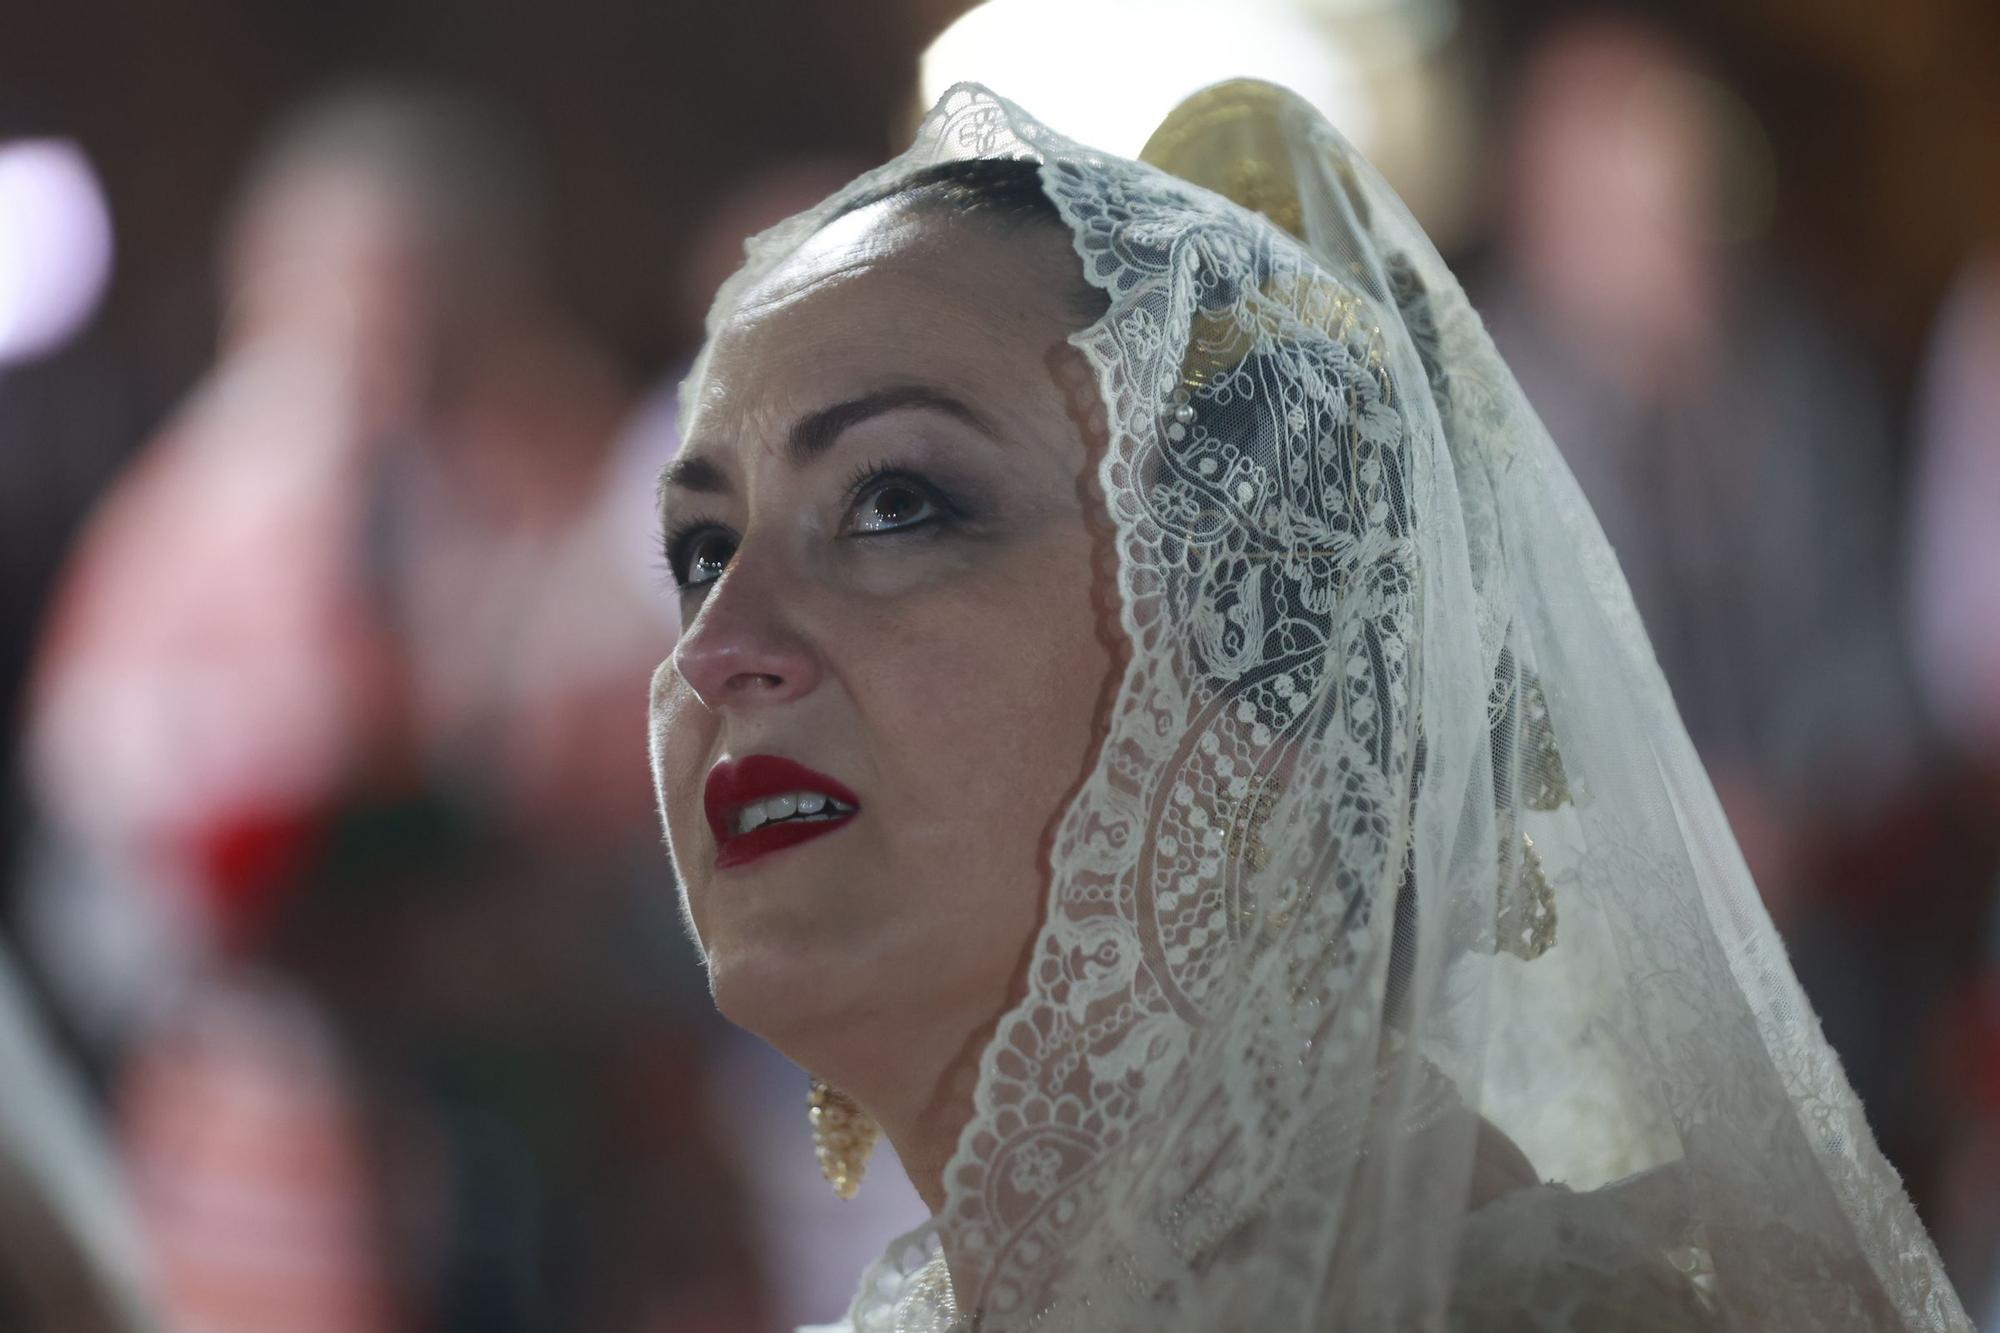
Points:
x=812, y=435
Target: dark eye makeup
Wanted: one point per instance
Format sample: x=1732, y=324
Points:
x=697, y=551
x=882, y=500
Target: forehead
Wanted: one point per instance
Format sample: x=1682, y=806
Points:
x=883, y=295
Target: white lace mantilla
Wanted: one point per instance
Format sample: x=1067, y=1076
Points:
x=1396, y=840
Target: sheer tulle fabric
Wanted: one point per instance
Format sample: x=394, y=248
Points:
x=1395, y=840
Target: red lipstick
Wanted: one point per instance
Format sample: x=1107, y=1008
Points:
x=735, y=783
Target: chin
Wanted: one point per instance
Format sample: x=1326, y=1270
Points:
x=790, y=993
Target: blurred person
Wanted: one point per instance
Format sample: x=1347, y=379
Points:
x=1954, y=532
x=1733, y=446
x=330, y=743
x=212, y=681
x=1955, y=518
x=1159, y=733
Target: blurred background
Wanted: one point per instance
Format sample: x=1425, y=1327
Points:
x=342, y=982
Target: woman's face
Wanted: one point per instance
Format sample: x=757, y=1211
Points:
x=883, y=517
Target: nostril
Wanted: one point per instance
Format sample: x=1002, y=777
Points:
x=745, y=653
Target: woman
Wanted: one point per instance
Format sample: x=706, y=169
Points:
x=1156, y=726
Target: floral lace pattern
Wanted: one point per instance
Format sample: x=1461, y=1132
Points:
x=1270, y=1021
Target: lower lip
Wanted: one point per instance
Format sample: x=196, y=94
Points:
x=768, y=838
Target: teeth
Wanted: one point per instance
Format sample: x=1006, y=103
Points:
x=795, y=806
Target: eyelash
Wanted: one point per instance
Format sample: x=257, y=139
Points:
x=870, y=475
x=677, y=548
x=678, y=542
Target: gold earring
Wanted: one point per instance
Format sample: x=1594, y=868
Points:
x=843, y=1136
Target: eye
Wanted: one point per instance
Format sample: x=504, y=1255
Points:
x=698, y=557
x=891, y=502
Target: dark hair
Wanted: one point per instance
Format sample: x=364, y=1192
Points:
x=1001, y=193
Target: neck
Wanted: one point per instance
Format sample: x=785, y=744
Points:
x=922, y=1118
x=926, y=1135
x=915, y=1079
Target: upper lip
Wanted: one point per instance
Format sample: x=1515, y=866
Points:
x=734, y=783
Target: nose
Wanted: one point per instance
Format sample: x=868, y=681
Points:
x=742, y=651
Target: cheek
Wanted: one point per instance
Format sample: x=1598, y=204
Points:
x=679, y=742
x=985, y=726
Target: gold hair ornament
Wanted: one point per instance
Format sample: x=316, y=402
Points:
x=1231, y=138
x=1236, y=139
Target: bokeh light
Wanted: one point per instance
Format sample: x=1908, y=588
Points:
x=55, y=245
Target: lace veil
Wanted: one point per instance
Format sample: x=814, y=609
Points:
x=1396, y=856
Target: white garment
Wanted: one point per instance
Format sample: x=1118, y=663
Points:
x=1395, y=838
x=71, y=1240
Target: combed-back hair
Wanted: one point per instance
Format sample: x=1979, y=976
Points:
x=1003, y=193
x=1005, y=190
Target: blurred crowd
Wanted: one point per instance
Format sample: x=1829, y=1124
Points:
x=332, y=902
